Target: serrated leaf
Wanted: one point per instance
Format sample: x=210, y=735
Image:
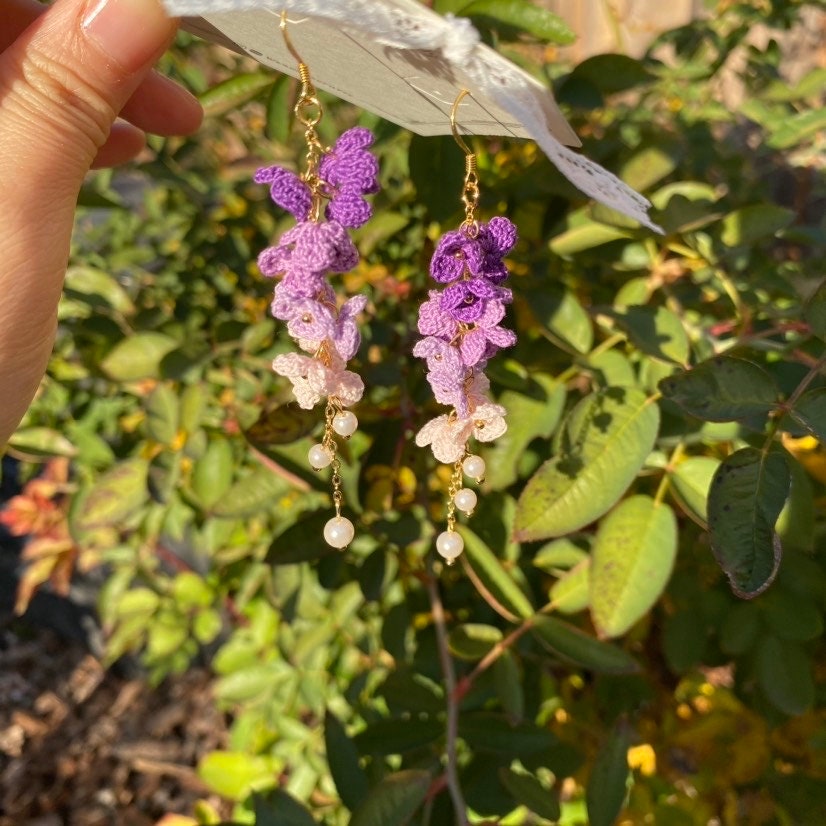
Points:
x=577, y=647
x=784, y=672
x=747, y=494
x=571, y=593
x=528, y=791
x=722, y=389
x=394, y=800
x=492, y=576
x=810, y=411
x=343, y=759
x=137, y=357
x=162, y=412
x=472, y=640
x=524, y=15
x=655, y=330
x=234, y=92
x=42, y=441
x=605, y=442
x=753, y=223
x=251, y=495
x=607, y=785
x=690, y=483
x=632, y=559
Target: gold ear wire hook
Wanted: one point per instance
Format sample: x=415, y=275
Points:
x=309, y=96
x=470, y=189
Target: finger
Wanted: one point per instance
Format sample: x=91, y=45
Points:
x=159, y=105
x=162, y=107
x=124, y=143
x=62, y=82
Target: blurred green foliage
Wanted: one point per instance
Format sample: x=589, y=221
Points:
x=588, y=661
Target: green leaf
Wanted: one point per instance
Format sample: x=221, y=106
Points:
x=585, y=237
x=722, y=389
x=42, y=441
x=98, y=289
x=655, y=330
x=234, y=92
x=343, y=759
x=397, y=736
x=690, y=482
x=747, y=494
x=251, y=495
x=612, y=72
x=394, y=800
x=740, y=628
x=279, y=808
x=212, y=472
x=233, y=773
x=436, y=169
x=528, y=791
x=571, y=593
x=563, y=317
x=117, y=495
x=608, y=783
x=632, y=558
x=493, y=732
x=559, y=555
x=791, y=616
x=605, y=442
x=472, y=641
x=278, y=102
x=814, y=312
x=650, y=165
x=531, y=414
x=162, y=411
x=507, y=681
x=810, y=411
x=798, y=128
x=137, y=357
x=193, y=403
x=493, y=577
x=575, y=646
x=753, y=223
x=784, y=671
x=301, y=542
x=524, y=15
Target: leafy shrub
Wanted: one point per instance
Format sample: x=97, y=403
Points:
x=666, y=431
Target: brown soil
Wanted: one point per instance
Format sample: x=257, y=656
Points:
x=80, y=746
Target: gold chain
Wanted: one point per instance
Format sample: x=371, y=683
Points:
x=329, y=441
x=470, y=197
x=453, y=489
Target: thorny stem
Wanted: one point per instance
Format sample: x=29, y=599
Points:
x=452, y=725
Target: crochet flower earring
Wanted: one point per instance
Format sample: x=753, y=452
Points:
x=461, y=325
x=326, y=201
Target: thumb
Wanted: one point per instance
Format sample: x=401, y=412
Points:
x=62, y=83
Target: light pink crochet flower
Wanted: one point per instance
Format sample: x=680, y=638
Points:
x=313, y=380
x=448, y=437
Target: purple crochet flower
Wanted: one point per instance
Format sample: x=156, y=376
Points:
x=466, y=300
x=441, y=356
x=288, y=305
x=458, y=254
x=287, y=190
x=434, y=321
x=310, y=248
x=350, y=172
x=346, y=337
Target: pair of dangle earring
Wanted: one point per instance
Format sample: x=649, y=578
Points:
x=462, y=332
x=326, y=200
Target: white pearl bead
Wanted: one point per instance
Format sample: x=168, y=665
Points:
x=319, y=457
x=345, y=423
x=474, y=466
x=465, y=500
x=449, y=545
x=339, y=532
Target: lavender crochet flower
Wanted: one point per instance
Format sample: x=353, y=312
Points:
x=287, y=190
x=350, y=172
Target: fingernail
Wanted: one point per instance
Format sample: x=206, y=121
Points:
x=131, y=32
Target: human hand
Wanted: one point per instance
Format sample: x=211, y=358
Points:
x=66, y=73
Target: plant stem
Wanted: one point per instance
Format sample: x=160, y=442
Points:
x=451, y=772
x=675, y=457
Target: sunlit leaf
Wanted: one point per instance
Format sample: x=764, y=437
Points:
x=753, y=223
x=722, y=389
x=137, y=357
x=524, y=15
x=41, y=441
x=656, y=331
x=810, y=411
x=571, y=593
x=747, y=494
x=471, y=641
x=605, y=442
x=632, y=558
x=251, y=494
x=234, y=92
x=212, y=473
x=690, y=482
x=162, y=412
x=116, y=495
x=233, y=773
